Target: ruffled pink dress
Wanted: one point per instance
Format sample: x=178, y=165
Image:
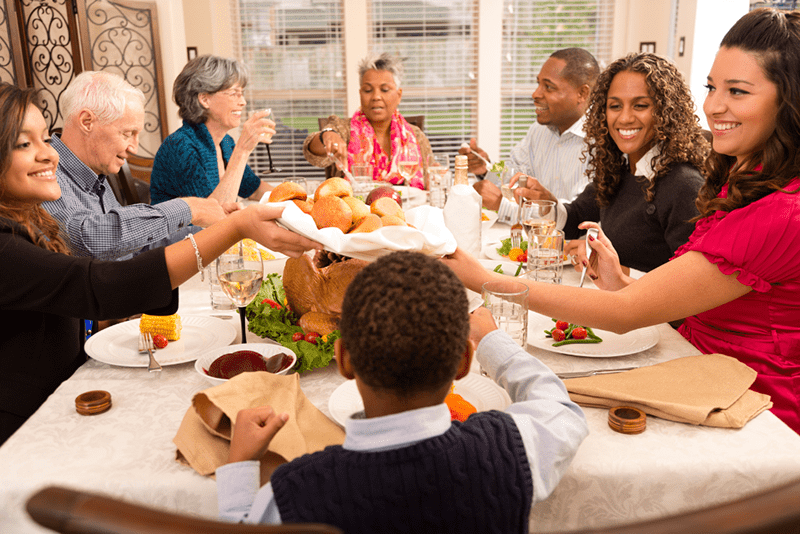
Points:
x=762, y=328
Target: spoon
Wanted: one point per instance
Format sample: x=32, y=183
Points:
x=277, y=362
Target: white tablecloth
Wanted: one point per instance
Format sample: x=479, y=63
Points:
x=128, y=452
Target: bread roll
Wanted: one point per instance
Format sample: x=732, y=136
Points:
x=360, y=210
x=337, y=187
x=386, y=206
x=370, y=223
x=392, y=220
x=288, y=191
x=304, y=205
x=332, y=212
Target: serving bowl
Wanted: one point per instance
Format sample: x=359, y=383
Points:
x=264, y=349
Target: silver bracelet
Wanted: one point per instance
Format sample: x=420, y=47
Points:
x=197, y=255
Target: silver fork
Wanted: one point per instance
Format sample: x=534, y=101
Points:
x=146, y=345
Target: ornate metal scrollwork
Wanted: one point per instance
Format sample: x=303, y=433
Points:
x=6, y=53
x=49, y=49
x=122, y=41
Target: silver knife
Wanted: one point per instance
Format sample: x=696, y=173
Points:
x=581, y=374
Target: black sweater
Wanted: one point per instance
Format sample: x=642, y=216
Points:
x=644, y=234
x=43, y=297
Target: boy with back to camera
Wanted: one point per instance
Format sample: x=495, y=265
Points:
x=404, y=466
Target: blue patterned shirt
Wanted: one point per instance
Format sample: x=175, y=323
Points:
x=98, y=226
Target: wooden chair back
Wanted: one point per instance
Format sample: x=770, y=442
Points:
x=775, y=511
x=128, y=189
x=69, y=511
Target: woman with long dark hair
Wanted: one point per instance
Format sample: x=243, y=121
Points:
x=737, y=280
x=44, y=291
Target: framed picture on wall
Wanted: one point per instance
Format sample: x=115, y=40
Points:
x=681, y=46
x=191, y=52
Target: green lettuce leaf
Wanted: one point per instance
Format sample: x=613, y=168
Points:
x=280, y=324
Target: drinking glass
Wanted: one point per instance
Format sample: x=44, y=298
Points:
x=538, y=217
x=508, y=172
x=439, y=179
x=362, y=178
x=546, y=258
x=240, y=276
x=407, y=166
x=507, y=300
x=272, y=168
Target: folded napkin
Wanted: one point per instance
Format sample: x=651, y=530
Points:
x=429, y=235
x=203, y=438
x=710, y=390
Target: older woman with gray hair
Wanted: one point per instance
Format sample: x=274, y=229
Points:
x=200, y=159
x=377, y=133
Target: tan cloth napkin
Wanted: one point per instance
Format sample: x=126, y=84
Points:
x=710, y=390
x=203, y=438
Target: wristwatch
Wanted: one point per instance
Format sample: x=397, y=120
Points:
x=328, y=129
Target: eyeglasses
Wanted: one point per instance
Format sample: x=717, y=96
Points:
x=233, y=94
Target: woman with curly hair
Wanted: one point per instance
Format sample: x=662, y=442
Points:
x=645, y=149
x=737, y=279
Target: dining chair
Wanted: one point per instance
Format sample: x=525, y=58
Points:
x=775, y=511
x=416, y=120
x=70, y=511
x=128, y=188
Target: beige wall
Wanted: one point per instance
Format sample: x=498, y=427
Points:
x=638, y=21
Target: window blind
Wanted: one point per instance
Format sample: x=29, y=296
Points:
x=534, y=29
x=294, y=52
x=438, y=42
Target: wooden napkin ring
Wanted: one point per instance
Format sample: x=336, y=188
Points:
x=93, y=402
x=627, y=420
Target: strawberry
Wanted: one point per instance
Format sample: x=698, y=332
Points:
x=579, y=332
x=160, y=341
x=558, y=334
x=562, y=325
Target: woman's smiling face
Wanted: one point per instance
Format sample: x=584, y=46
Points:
x=31, y=175
x=742, y=104
x=629, y=114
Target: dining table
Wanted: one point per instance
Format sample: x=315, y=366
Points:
x=127, y=452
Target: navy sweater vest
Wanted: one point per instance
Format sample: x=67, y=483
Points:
x=473, y=478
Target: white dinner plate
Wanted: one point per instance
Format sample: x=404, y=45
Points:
x=119, y=344
x=612, y=345
x=478, y=390
x=509, y=267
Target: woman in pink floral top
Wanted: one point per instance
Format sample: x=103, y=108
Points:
x=737, y=280
x=377, y=133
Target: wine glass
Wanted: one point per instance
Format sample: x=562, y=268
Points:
x=407, y=166
x=272, y=169
x=538, y=218
x=240, y=273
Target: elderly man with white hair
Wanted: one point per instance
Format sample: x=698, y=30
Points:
x=103, y=116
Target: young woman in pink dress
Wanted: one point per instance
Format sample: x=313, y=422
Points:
x=737, y=280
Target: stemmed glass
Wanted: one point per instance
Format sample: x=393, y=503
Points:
x=538, y=218
x=407, y=166
x=240, y=274
x=272, y=169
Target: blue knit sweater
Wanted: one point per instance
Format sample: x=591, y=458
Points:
x=186, y=165
x=473, y=478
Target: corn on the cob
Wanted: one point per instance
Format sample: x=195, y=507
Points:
x=168, y=326
x=251, y=250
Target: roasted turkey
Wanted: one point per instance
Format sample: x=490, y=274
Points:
x=315, y=288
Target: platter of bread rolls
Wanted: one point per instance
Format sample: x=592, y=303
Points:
x=348, y=225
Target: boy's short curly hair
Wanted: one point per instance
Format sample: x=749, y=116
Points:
x=405, y=323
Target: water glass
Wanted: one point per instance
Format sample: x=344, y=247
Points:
x=439, y=178
x=362, y=174
x=219, y=300
x=507, y=300
x=546, y=257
